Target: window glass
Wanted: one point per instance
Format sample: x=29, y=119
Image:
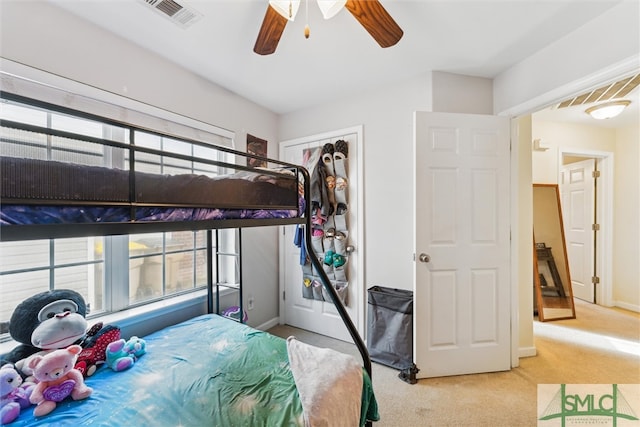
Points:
x=22, y=143
x=163, y=264
x=16, y=256
x=148, y=140
x=146, y=162
x=76, y=125
x=28, y=115
x=18, y=286
x=206, y=153
x=160, y=265
x=175, y=146
x=33, y=266
x=81, y=278
x=79, y=266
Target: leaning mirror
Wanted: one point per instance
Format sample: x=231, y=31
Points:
x=552, y=282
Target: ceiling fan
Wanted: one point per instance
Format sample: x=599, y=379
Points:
x=370, y=13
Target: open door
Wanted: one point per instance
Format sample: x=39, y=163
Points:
x=577, y=186
x=462, y=302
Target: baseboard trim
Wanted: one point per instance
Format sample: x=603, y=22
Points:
x=527, y=352
x=627, y=306
x=268, y=324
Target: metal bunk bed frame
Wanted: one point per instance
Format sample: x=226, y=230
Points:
x=51, y=231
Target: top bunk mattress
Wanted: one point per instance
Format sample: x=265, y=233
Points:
x=37, y=191
x=60, y=166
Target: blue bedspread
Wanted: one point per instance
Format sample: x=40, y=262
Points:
x=207, y=371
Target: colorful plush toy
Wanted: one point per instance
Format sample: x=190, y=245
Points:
x=46, y=321
x=53, y=320
x=136, y=346
x=57, y=379
x=14, y=394
x=94, y=348
x=123, y=354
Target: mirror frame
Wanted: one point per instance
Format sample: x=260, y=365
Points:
x=563, y=252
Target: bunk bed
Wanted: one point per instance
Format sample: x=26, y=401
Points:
x=209, y=370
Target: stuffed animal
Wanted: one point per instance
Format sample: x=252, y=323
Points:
x=56, y=319
x=57, y=379
x=136, y=346
x=14, y=395
x=123, y=354
x=94, y=347
x=46, y=321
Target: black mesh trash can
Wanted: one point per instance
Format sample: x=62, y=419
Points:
x=390, y=326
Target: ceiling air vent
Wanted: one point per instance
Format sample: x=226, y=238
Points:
x=182, y=15
x=614, y=90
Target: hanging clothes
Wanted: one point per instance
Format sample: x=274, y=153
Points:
x=298, y=240
x=319, y=197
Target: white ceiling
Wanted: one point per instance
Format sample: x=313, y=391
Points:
x=473, y=37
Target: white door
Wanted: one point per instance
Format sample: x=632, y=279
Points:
x=296, y=309
x=462, y=321
x=578, y=210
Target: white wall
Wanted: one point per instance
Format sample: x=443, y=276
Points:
x=386, y=114
x=574, y=63
x=566, y=135
x=47, y=38
x=455, y=93
x=522, y=237
x=626, y=238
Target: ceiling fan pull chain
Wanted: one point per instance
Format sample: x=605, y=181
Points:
x=307, y=30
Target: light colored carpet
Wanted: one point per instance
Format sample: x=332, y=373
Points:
x=600, y=346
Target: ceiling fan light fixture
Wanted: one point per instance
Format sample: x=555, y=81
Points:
x=330, y=8
x=286, y=8
x=607, y=110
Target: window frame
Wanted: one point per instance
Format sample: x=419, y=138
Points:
x=116, y=256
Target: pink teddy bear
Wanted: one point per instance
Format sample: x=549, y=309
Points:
x=57, y=379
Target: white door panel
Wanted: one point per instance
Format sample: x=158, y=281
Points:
x=309, y=314
x=462, y=295
x=578, y=209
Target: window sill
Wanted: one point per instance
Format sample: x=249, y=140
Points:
x=150, y=310
x=145, y=319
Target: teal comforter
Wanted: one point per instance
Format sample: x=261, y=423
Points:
x=207, y=371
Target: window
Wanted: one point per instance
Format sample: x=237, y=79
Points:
x=164, y=264
x=112, y=273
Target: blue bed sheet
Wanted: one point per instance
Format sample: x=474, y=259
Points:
x=207, y=371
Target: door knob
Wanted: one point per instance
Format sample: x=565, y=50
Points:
x=424, y=257
x=350, y=249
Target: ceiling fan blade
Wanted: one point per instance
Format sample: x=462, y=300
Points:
x=272, y=27
x=376, y=20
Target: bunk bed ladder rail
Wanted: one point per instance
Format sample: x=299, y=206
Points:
x=326, y=283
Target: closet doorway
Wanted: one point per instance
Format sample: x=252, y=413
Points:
x=299, y=307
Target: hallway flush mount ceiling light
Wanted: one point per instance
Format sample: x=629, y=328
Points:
x=607, y=110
